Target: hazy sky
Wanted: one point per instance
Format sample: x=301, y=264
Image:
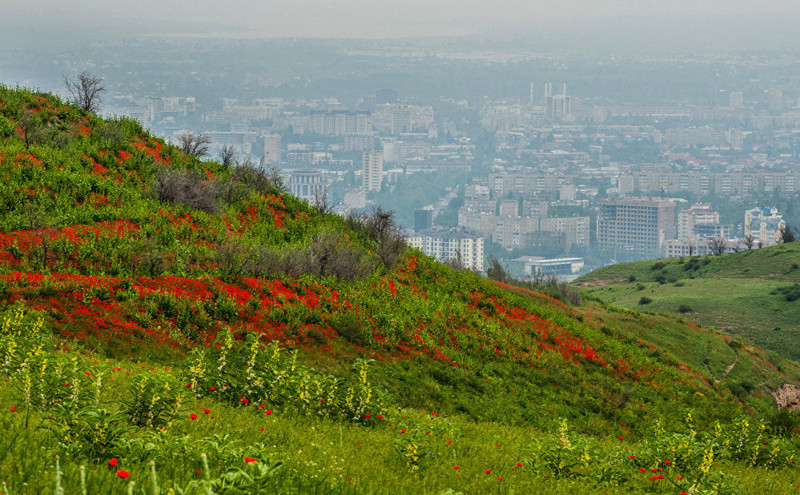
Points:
x=354, y=18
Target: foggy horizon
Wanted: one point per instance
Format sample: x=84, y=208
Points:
x=681, y=24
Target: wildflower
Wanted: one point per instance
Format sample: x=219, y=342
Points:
x=88, y=374
x=244, y=401
x=112, y=462
x=519, y=464
x=678, y=477
x=488, y=471
x=642, y=470
x=66, y=384
x=13, y=408
x=403, y=430
x=262, y=428
x=268, y=412
x=449, y=442
x=197, y=472
x=249, y=460
x=206, y=411
x=632, y=456
x=428, y=432
x=188, y=385
x=499, y=478
x=193, y=416
x=455, y=467
x=211, y=388
x=379, y=416
x=667, y=463
x=123, y=474
x=621, y=438
x=660, y=477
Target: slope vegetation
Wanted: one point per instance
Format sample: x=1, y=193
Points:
x=754, y=295
x=161, y=308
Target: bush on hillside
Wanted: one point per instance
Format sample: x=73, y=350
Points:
x=645, y=300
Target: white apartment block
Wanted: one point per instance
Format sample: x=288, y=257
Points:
x=445, y=244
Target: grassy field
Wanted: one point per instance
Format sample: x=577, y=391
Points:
x=744, y=294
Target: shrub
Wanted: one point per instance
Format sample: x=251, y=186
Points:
x=658, y=265
x=684, y=308
x=645, y=300
x=186, y=187
x=631, y=278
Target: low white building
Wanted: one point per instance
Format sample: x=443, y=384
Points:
x=445, y=244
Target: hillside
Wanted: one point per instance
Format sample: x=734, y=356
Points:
x=161, y=308
x=751, y=294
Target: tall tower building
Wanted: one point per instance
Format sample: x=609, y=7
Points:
x=735, y=99
x=372, y=170
x=557, y=106
x=272, y=147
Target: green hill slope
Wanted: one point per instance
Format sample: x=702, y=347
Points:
x=751, y=294
x=161, y=308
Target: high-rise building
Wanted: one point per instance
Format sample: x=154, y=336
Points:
x=636, y=226
x=401, y=119
x=372, y=170
x=272, y=147
x=557, y=106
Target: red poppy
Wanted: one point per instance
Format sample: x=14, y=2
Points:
x=112, y=462
x=455, y=467
x=621, y=438
x=206, y=411
x=211, y=388
x=379, y=416
x=123, y=474
x=488, y=471
x=268, y=412
x=519, y=464
x=499, y=478
x=193, y=416
x=428, y=432
x=13, y=408
x=632, y=456
x=667, y=462
x=642, y=470
x=188, y=385
x=249, y=460
x=88, y=374
x=403, y=430
x=449, y=442
x=197, y=472
x=66, y=384
x=244, y=401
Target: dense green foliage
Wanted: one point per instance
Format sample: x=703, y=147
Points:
x=159, y=308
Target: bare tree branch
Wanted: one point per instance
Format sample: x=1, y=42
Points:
x=192, y=144
x=86, y=91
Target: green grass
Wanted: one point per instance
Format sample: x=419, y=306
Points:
x=742, y=294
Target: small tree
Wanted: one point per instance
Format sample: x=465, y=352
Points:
x=227, y=155
x=749, y=241
x=786, y=233
x=718, y=245
x=86, y=91
x=192, y=144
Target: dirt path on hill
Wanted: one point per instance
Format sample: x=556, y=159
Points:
x=730, y=367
